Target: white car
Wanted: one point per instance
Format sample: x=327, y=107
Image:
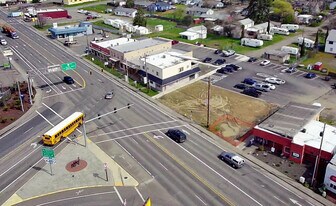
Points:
x=271, y=86
x=265, y=62
x=261, y=87
x=274, y=80
x=228, y=53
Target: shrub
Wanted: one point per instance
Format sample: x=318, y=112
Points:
x=17, y=102
x=12, y=118
x=261, y=148
x=3, y=120
x=5, y=108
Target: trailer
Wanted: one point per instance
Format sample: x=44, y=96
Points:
x=15, y=14
x=290, y=27
x=251, y=42
x=308, y=42
x=267, y=37
x=290, y=50
x=10, y=32
x=277, y=30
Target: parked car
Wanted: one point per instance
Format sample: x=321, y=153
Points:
x=249, y=81
x=232, y=159
x=219, y=62
x=274, y=80
x=310, y=75
x=271, y=86
x=175, y=42
x=207, y=60
x=291, y=70
x=265, y=62
x=252, y=59
x=109, y=95
x=225, y=70
x=261, y=87
x=235, y=67
x=68, y=80
x=241, y=86
x=218, y=51
x=176, y=135
x=252, y=92
x=228, y=53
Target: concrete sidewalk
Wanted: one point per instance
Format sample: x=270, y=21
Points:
x=93, y=175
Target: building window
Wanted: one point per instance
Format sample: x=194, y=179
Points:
x=181, y=69
x=157, y=73
x=331, y=42
x=287, y=150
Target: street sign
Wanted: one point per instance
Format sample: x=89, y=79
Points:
x=50, y=161
x=69, y=66
x=48, y=153
x=53, y=68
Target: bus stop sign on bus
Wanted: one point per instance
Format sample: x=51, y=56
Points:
x=48, y=153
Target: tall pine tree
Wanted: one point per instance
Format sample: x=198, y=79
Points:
x=259, y=10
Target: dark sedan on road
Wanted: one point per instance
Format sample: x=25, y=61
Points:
x=68, y=80
x=219, y=62
x=207, y=60
x=310, y=75
x=176, y=135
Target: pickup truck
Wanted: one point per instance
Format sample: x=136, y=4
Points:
x=69, y=43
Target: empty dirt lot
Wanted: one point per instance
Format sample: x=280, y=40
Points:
x=232, y=114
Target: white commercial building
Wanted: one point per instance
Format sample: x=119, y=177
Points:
x=330, y=176
x=197, y=32
x=330, y=45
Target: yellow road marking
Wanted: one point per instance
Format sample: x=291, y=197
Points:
x=84, y=83
x=204, y=182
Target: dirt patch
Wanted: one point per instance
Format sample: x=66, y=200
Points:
x=11, y=109
x=232, y=114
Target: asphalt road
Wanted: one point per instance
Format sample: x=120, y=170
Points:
x=186, y=174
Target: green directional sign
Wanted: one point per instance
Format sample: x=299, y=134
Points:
x=68, y=66
x=49, y=153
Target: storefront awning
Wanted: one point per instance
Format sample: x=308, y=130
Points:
x=114, y=59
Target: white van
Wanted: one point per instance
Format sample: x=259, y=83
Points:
x=266, y=37
x=251, y=42
x=293, y=27
x=290, y=50
x=277, y=30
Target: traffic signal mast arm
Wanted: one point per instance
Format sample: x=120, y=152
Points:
x=114, y=111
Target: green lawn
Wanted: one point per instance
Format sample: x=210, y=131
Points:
x=328, y=61
x=100, y=8
x=170, y=13
x=82, y=4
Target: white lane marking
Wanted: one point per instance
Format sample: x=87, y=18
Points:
x=163, y=166
x=121, y=200
x=301, y=74
x=77, y=197
x=185, y=132
x=62, y=93
x=135, y=141
x=17, y=127
x=200, y=200
x=279, y=200
x=136, y=189
x=85, y=71
x=122, y=137
x=28, y=130
x=52, y=110
x=242, y=191
x=44, y=118
x=294, y=201
x=100, y=80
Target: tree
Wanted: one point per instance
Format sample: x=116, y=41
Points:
x=41, y=20
x=303, y=48
x=258, y=10
x=139, y=18
x=129, y=3
x=269, y=26
x=187, y=20
x=35, y=1
x=283, y=11
x=242, y=35
x=326, y=36
x=316, y=40
x=178, y=14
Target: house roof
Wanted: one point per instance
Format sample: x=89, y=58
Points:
x=332, y=35
x=277, y=53
x=170, y=79
x=67, y=30
x=160, y=3
x=262, y=26
x=291, y=119
x=197, y=29
x=126, y=10
x=246, y=21
x=114, y=42
x=199, y=9
x=142, y=3
x=164, y=60
x=145, y=43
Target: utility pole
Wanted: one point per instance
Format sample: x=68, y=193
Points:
x=84, y=131
x=20, y=96
x=208, y=114
x=29, y=91
x=146, y=73
x=318, y=158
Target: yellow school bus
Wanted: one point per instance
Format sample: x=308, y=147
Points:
x=63, y=129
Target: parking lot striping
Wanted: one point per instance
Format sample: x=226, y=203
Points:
x=213, y=170
x=136, y=189
x=301, y=74
x=200, y=199
x=122, y=137
x=28, y=130
x=76, y=197
x=52, y=110
x=279, y=200
x=163, y=166
x=44, y=118
x=120, y=198
x=137, y=127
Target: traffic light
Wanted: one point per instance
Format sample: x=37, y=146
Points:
x=128, y=105
x=115, y=109
x=98, y=116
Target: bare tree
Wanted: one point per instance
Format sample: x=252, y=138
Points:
x=42, y=20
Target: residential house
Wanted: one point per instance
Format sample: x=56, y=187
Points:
x=192, y=2
x=304, y=18
x=198, y=11
x=142, y=4
x=121, y=11
x=117, y=3
x=247, y=23
x=197, y=32
x=72, y=2
x=277, y=55
x=332, y=5
x=213, y=4
x=330, y=45
x=258, y=29
x=159, y=6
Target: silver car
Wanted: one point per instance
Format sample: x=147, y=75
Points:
x=109, y=95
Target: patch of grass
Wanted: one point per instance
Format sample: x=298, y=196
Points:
x=328, y=61
x=100, y=8
x=102, y=24
x=327, y=121
x=170, y=13
x=82, y=4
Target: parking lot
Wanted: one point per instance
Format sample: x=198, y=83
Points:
x=297, y=88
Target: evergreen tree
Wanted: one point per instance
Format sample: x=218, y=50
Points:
x=316, y=40
x=303, y=48
x=259, y=10
x=269, y=26
x=129, y=4
x=139, y=18
x=242, y=31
